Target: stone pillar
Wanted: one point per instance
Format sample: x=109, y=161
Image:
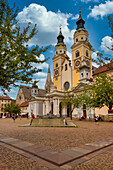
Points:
x=88, y=112
x=44, y=108
x=47, y=107
x=58, y=107
x=80, y=112
x=35, y=109
x=55, y=107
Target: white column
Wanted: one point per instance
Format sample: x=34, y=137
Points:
x=55, y=107
x=47, y=107
x=80, y=112
x=35, y=109
x=88, y=112
x=44, y=109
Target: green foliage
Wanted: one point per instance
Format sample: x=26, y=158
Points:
x=98, y=94
x=15, y=56
x=101, y=91
x=13, y=108
x=101, y=60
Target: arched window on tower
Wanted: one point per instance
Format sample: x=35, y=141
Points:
x=56, y=64
x=87, y=53
x=77, y=53
x=65, y=67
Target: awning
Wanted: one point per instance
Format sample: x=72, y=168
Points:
x=23, y=114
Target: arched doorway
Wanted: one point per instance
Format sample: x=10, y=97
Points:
x=60, y=109
x=52, y=108
x=68, y=109
x=84, y=111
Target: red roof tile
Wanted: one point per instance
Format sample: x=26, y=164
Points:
x=5, y=98
x=104, y=68
x=25, y=104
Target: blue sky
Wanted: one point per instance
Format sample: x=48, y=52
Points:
x=49, y=14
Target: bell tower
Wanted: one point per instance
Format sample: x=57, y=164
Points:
x=80, y=50
x=58, y=60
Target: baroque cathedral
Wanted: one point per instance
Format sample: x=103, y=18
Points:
x=67, y=76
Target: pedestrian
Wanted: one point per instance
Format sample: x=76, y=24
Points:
x=33, y=116
x=13, y=117
x=96, y=119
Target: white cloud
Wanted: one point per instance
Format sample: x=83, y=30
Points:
x=40, y=74
x=42, y=65
x=86, y=1
x=94, y=55
x=69, y=55
x=107, y=42
x=102, y=10
x=75, y=17
x=48, y=23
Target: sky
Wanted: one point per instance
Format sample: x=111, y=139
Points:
x=50, y=14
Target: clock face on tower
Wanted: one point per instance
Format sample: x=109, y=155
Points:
x=77, y=63
x=56, y=72
x=88, y=62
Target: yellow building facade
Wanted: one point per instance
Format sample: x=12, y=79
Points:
x=65, y=75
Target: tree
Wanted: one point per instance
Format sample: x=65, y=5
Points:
x=71, y=102
x=15, y=56
x=101, y=91
x=101, y=60
x=13, y=108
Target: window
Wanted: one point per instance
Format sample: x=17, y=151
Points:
x=35, y=91
x=56, y=52
x=86, y=39
x=81, y=38
x=66, y=85
x=82, y=74
x=60, y=51
x=76, y=39
x=87, y=54
x=87, y=74
x=56, y=78
x=64, y=52
x=65, y=67
x=20, y=97
x=56, y=64
x=77, y=53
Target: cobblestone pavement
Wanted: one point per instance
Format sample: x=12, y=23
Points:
x=10, y=160
x=101, y=162
x=57, y=138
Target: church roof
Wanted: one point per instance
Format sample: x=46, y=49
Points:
x=26, y=92
x=5, y=98
x=24, y=104
x=49, y=81
x=104, y=68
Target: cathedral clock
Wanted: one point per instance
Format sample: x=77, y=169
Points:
x=87, y=62
x=56, y=72
x=77, y=63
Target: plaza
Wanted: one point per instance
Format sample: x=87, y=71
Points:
x=56, y=139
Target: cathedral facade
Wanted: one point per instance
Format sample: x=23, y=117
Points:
x=67, y=76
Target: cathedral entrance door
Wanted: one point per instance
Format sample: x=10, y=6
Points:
x=60, y=109
x=68, y=110
x=52, y=108
x=84, y=111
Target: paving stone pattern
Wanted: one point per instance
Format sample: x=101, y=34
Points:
x=10, y=160
x=54, y=159
x=57, y=138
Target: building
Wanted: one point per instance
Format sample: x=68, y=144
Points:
x=67, y=76
x=108, y=69
x=4, y=101
x=24, y=107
